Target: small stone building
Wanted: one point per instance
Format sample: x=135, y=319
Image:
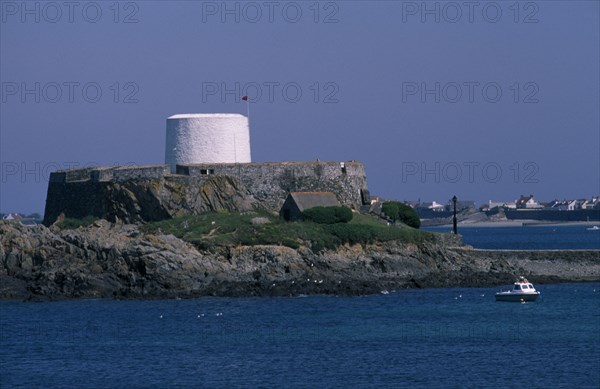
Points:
x=296, y=202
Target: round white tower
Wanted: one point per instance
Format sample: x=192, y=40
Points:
x=207, y=138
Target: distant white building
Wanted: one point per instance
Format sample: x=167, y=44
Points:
x=528, y=202
x=436, y=206
x=15, y=217
x=505, y=204
x=594, y=203
x=376, y=199
x=572, y=205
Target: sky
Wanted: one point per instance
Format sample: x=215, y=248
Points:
x=482, y=100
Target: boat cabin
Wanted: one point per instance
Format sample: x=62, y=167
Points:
x=523, y=287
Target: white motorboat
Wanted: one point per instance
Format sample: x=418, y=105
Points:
x=522, y=291
x=594, y=228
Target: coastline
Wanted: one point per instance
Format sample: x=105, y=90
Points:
x=112, y=260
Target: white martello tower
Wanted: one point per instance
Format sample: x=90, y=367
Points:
x=207, y=138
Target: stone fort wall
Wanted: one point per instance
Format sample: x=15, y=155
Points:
x=79, y=192
x=270, y=182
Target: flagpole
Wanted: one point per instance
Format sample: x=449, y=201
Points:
x=247, y=100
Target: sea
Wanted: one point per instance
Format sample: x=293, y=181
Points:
x=535, y=237
x=413, y=338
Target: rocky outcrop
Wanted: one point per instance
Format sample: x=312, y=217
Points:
x=117, y=260
x=134, y=201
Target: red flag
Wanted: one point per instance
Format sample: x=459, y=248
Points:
x=245, y=98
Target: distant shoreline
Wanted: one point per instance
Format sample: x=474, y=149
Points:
x=517, y=223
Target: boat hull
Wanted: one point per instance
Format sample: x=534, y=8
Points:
x=517, y=297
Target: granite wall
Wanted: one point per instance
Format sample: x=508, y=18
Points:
x=270, y=182
x=147, y=193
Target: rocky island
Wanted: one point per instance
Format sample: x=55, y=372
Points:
x=118, y=260
x=211, y=222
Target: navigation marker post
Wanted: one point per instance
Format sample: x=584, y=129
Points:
x=454, y=229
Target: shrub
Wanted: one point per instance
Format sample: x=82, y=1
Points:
x=328, y=215
x=391, y=210
x=409, y=216
x=398, y=211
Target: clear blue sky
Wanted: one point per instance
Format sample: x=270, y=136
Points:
x=409, y=88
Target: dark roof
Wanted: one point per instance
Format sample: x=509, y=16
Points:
x=524, y=199
x=306, y=200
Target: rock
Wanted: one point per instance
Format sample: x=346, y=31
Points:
x=260, y=220
x=137, y=201
x=118, y=260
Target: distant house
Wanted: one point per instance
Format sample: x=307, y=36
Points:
x=296, y=202
x=572, y=205
x=528, y=202
x=376, y=199
x=594, y=203
x=24, y=221
x=12, y=216
x=583, y=204
x=436, y=207
x=588, y=204
x=566, y=205
x=557, y=205
x=501, y=204
x=433, y=206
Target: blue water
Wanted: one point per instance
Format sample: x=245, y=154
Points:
x=528, y=237
x=436, y=338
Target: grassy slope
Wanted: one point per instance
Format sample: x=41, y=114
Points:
x=231, y=229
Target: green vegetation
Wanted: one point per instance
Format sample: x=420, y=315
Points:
x=211, y=230
x=71, y=224
x=328, y=215
x=398, y=211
